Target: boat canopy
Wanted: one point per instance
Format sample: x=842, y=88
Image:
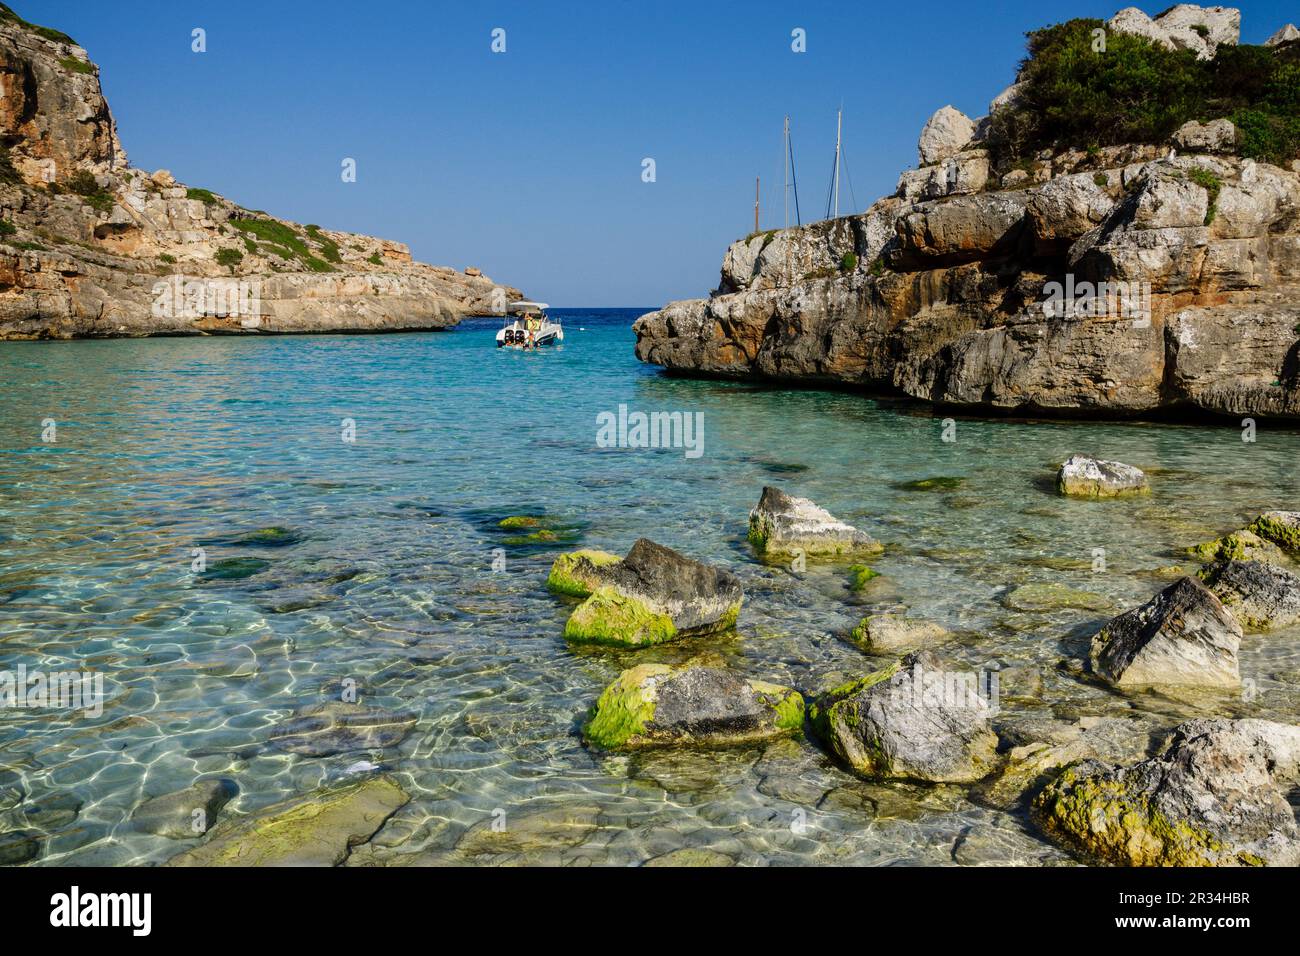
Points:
x=526, y=306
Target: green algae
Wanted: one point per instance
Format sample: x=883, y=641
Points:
x=567, y=577
x=787, y=704
x=1106, y=821
x=828, y=704
x=236, y=569
x=860, y=575
x=624, y=708
x=607, y=617
x=1281, y=534
x=937, y=483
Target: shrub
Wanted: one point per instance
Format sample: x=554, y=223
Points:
x=202, y=195
x=7, y=15
x=848, y=262
x=1138, y=92
x=1101, y=179
x=8, y=172
x=268, y=230
x=83, y=184
x=7, y=228
x=167, y=258
x=229, y=257
x=1211, y=184
x=73, y=65
x=374, y=259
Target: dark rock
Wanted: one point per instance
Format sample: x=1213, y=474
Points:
x=1257, y=594
x=1183, y=635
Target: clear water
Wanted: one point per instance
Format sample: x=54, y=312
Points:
x=387, y=578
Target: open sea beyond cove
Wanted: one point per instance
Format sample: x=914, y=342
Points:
x=228, y=530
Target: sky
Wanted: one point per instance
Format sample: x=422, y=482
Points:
x=529, y=163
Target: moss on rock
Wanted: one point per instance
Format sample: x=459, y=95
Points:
x=625, y=707
x=860, y=575
x=571, y=572
x=608, y=617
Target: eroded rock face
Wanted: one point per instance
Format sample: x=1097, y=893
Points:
x=784, y=525
x=1182, y=636
x=145, y=255
x=1215, y=797
x=1258, y=594
x=655, y=595
x=1083, y=476
x=1193, y=310
x=911, y=721
x=1216, y=136
x=654, y=704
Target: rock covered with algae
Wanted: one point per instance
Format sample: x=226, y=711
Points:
x=654, y=704
x=1216, y=796
x=577, y=573
x=653, y=595
x=1083, y=476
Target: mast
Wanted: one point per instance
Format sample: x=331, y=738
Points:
x=839, y=117
x=785, y=179
x=756, y=204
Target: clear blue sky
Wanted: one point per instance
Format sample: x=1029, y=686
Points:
x=528, y=163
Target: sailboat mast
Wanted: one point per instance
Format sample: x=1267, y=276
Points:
x=756, y=204
x=839, y=117
x=785, y=179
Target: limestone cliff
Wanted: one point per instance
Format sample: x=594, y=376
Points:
x=963, y=288
x=90, y=246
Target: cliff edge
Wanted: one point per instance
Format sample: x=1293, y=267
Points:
x=90, y=246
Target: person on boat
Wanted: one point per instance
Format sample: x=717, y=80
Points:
x=530, y=323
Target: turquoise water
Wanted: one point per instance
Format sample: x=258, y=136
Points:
x=383, y=574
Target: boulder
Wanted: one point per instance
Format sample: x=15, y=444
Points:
x=1066, y=208
x=654, y=704
x=185, y=814
x=1087, y=477
x=896, y=634
x=1280, y=527
x=577, y=573
x=1215, y=797
x=1283, y=35
x=1007, y=97
x=944, y=135
x=655, y=595
x=966, y=173
x=910, y=721
x=1200, y=29
x=319, y=829
x=336, y=727
x=1216, y=136
x=1259, y=595
x=1133, y=21
x=1182, y=636
x=783, y=525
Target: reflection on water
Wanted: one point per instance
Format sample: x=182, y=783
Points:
x=374, y=564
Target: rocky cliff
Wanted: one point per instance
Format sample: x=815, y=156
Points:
x=1111, y=280
x=90, y=246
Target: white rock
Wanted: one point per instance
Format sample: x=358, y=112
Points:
x=944, y=134
x=1133, y=21
x=1007, y=97
x=1201, y=29
x=1097, y=478
x=1283, y=35
x=1216, y=136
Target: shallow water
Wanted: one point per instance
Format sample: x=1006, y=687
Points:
x=384, y=575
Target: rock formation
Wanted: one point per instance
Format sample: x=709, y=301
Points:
x=1087, y=477
x=783, y=525
x=90, y=246
x=1105, y=281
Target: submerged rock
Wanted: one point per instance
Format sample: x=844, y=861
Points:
x=895, y=634
x=1243, y=545
x=185, y=814
x=319, y=829
x=336, y=727
x=1051, y=597
x=705, y=706
x=543, y=830
x=910, y=721
x=1085, y=477
x=655, y=595
x=1257, y=594
x=783, y=525
x=1183, y=635
x=577, y=573
x=1215, y=797
x=19, y=846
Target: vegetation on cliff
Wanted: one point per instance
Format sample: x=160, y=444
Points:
x=1137, y=91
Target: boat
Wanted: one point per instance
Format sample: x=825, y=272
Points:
x=528, y=326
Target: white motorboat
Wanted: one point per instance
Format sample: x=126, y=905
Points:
x=528, y=326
